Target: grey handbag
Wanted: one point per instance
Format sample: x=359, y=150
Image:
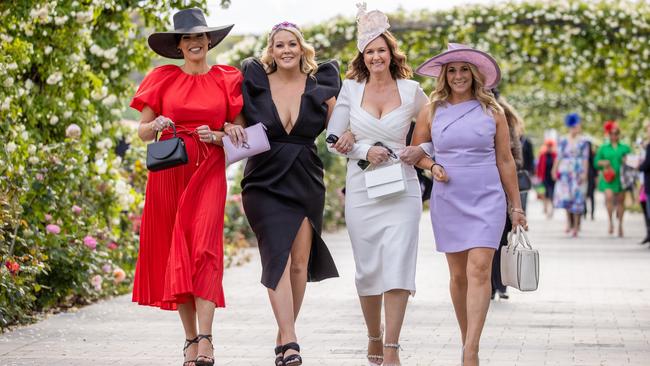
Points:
x=519, y=262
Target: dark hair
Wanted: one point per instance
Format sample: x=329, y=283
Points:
x=399, y=69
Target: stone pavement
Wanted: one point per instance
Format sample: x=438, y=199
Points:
x=592, y=308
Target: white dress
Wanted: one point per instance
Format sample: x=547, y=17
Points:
x=383, y=231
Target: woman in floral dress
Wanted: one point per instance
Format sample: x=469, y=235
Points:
x=570, y=172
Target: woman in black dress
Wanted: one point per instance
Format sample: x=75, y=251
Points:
x=282, y=190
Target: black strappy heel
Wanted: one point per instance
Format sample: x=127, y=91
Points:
x=205, y=360
x=291, y=360
x=279, y=356
x=188, y=343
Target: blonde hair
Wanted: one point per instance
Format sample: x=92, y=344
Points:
x=308, y=63
x=442, y=91
x=399, y=69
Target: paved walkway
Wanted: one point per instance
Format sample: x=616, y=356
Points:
x=592, y=308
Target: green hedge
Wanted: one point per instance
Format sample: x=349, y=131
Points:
x=591, y=57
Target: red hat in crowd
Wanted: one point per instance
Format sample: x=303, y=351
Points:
x=609, y=126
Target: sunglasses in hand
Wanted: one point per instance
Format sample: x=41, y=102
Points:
x=363, y=164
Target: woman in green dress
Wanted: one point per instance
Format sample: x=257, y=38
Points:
x=608, y=161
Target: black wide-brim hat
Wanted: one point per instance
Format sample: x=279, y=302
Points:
x=186, y=21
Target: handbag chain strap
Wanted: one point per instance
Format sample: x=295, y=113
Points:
x=394, y=161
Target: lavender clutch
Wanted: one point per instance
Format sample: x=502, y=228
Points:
x=256, y=142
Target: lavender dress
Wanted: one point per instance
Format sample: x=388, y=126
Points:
x=469, y=211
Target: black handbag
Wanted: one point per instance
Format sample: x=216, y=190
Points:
x=167, y=153
x=524, y=181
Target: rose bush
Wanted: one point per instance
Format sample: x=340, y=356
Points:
x=70, y=195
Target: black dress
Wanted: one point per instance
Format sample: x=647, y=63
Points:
x=285, y=184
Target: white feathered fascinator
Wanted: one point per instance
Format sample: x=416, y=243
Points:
x=370, y=25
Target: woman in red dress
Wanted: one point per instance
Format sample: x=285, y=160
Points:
x=180, y=264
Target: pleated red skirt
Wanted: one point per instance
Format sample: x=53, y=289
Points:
x=181, y=237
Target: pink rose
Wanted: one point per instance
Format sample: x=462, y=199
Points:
x=112, y=245
x=90, y=242
x=76, y=209
x=96, y=281
x=14, y=267
x=48, y=217
x=118, y=275
x=106, y=268
x=53, y=229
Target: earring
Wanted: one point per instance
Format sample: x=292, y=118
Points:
x=273, y=65
x=209, y=44
x=178, y=50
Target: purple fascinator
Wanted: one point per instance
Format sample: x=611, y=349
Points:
x=284, y=25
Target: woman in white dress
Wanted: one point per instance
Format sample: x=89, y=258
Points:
x=377, y=104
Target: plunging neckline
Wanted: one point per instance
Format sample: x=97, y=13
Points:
x=275, y=108
x=399, y=94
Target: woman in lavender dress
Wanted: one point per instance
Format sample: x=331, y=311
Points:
x=472, y=169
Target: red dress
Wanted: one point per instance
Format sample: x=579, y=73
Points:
x=181, y=237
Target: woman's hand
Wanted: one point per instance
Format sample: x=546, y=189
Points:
x=377, y=155
x=411, y=155
x=160, y=123
x=518, y=218
x=345, y=142
x=206, y=135
x=439, y=173
x=236, y=133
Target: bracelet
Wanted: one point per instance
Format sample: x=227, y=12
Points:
x=213, y=138
x=518, y=210
x=434, y=164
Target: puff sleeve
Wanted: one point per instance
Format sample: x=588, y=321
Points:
x=232, y=79
x=152, y=88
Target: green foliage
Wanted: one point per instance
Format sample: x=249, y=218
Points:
x=69, y=206
x=556, y=57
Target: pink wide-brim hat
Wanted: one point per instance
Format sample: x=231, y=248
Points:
x=457, y=52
